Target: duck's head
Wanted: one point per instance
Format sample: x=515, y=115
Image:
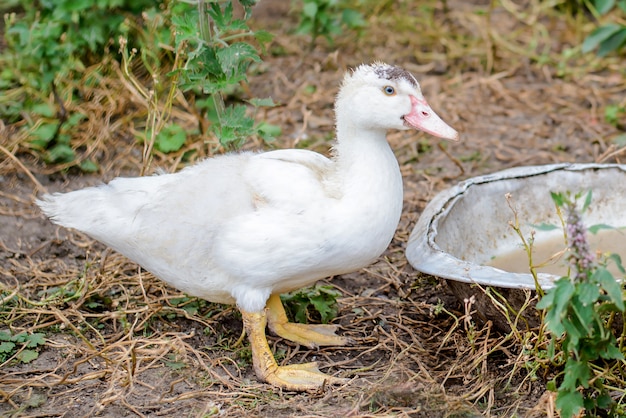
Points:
x=381, y=96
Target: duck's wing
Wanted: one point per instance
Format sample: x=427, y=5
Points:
x=291, y=179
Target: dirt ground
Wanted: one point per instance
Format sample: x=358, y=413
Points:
x=120, y=343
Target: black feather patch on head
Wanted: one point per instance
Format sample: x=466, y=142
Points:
x=390, y=72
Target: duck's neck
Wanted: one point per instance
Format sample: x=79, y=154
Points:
x=368, y=168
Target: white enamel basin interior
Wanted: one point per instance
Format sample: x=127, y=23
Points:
x=466, y=228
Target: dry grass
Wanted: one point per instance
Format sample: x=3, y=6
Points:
x=121, y=343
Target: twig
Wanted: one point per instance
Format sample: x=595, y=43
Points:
x=26, y=171
x=454, y=160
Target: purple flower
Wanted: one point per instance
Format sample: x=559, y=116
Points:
x=581, y=259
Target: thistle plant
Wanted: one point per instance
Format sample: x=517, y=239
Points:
x=579, y=311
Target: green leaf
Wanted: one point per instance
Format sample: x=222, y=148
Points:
x=604, y=401
x=563, y=293
x=603, y=6
x=223, y=19
x=232, y=57
x=588, y=198
x=44, y=109
x=558, y=198
x=88, y=166
x=611, y=286
x=26, y=356
x=353, y=19
x=45, y=132
x=6, y=347
x=322, y=298
x=613, y=43
x=263, y=37
x=75, y=118
x=61, y=153
x=576, y=373
x=267, y=102
x=594, y=229
x=581, y=318
x=588, y=293
x=555, y=302
x=268, y=131
x=546, y=301
x=611, y=352
x=618, y=262
x=176, y=365
x=36, y=339
x=171, y=138
x=573, y=334
x=310, y=10
x=323, y=307
x=612, y=114
x=569, y=403
x=192, y=308
x=544, y=226
x=599, y=35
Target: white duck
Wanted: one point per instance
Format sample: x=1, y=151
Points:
x=244, y=228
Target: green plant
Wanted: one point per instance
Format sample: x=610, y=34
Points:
x=22, y=346
x=216, y=61
x=49, y=45
x=207, y=55
x=328, y=18
x=53, y=40
x=316, y=300
x=51, y=137
x=577, y=309
x=614, y=114
x=608, y=37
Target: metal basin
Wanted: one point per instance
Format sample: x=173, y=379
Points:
x=465, y=228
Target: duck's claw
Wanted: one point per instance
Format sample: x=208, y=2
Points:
x=309, y=335
x=299, y=377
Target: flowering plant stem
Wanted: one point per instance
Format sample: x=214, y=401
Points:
x=576, y=312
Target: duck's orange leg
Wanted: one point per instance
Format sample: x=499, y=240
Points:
x=293, y=377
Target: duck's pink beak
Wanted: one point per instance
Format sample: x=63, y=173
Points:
x=422, y=117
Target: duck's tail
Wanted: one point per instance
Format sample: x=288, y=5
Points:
x=80, y=209
x=99, y=211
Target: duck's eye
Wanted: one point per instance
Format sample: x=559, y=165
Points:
x=389, y=91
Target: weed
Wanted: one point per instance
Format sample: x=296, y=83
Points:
x=576, y=312
x=48, y=47
x=305, y=303
x=215, y=62
x=615, y=114
x=21, y=347
x=202, y=51
x=608, y=37
x=328, y=18
x=54, y=40
x=174, y=363
x=579, y=312
x=52, y=138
